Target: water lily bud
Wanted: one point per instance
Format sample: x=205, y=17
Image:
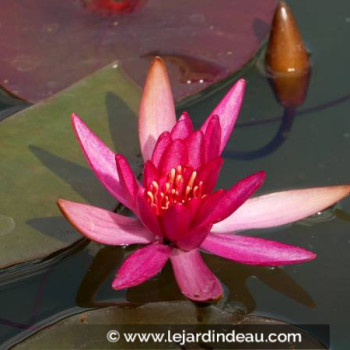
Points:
x=287, y=60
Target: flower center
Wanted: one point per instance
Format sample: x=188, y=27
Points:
x=180, y=185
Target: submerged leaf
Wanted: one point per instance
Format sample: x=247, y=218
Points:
x=63, y=41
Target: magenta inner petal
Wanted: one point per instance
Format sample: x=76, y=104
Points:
x=209, y=174
x=162, y=144
x=195, y=147
x=176, y=221
x=255, y=251
x=147, y=214
x=212, y=139
x=209, y=204
x=228, y=110
x=193, y=238
x=232, y=199
x=175, y=155
x=183, y=128
x=127, y=179
x=193, y=276
x=142, y=265
x=150, y=173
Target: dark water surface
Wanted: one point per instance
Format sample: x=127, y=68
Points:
x=315, y=152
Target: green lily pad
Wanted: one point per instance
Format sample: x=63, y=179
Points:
x=88, y=330
x=41, y=161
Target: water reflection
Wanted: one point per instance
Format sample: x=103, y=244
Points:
x=303, y=112
x=30, y=324
x=235, y=276
x=34, y=278
x=288, y=69
x=271, y=146
x=113, y=7
x=164, y=288
x=342, y=215
x=105, y=261
x=192, y=69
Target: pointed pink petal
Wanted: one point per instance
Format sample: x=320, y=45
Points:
x=176, y=154
x=193, y=276
x=150, y=173
x=193, y=238
x=100, y=158
x=212, y=138
x=212, y=212
x=157, y=111
x=176, y=221
x=183, y=128
x=174, y=224
x=281, y=208
x=146, y=213
x=227, y=110
x=255, y=251
x=210, y=202
x=162, y=144
x=142, y=265
x=127, y=179
x=104, y=226
x=195, y=148
x=209, y=174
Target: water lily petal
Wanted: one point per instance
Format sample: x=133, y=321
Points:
x=142, y=265
x=212, y=138
x=176, y=154
x=281, y=208
x=104, y=226
x=127, y=179
x=150, y=173
x=228, y=110
x=193, y=238
x=208, y=206
x=183, y=128
x=146, y=213
x=212, y=212
x=176, y=221
x=209, y=174
x=157, y=111
x=195, y=148
x=100, y=158
x=255, y=251
x=162, y=144
x=193, y=276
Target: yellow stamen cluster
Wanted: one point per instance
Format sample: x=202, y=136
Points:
x=175, y=190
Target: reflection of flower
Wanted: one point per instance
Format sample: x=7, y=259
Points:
x=112, y=7
x=178, y=212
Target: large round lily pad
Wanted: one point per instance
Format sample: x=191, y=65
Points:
x=88, y=330
x=48, y=45
x=41, y=161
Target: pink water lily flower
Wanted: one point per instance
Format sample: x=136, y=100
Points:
x=178, y=211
